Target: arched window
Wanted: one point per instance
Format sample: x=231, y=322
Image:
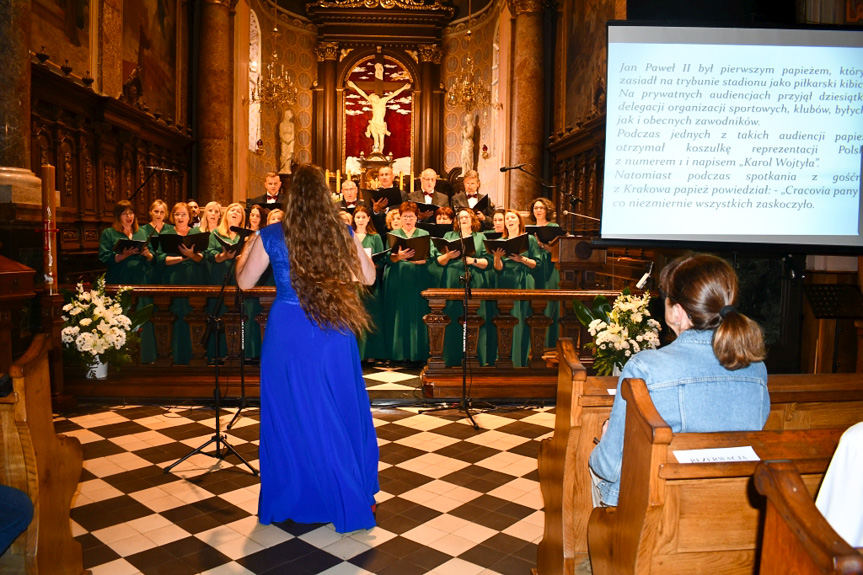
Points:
x=254, y=74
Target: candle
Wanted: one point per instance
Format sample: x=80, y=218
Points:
x=327, y=176
x=412, y=181
x=339, y=181
x=401, y=180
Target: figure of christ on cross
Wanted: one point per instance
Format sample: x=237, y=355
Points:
x=377, y=128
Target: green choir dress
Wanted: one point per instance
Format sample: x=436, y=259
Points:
x=373, y=343
x=404, y=307
x=491, y=311
x=188, y=272
x=515, y=275
x=157, y=270
x=134, y=270
x=548, y=277
x=452, y=271
x=217, y=272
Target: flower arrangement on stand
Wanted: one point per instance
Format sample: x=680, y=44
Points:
x=619, y=331
x=99, y=329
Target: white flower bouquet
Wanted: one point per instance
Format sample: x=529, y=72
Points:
x=618, y=331
x=98, y=327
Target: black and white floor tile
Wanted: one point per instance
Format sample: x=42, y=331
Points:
x=453, y=501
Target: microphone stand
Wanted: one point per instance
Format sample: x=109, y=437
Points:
x=240, y=304
x=141, y=187
x=464, y=404
x=541, y=182
x=216, y=327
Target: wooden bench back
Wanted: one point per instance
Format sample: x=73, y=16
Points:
x=798, y=401
x=41, y=463
x=797, y=538
x=675, y=518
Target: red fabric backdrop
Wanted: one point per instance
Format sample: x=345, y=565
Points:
x=399, y=110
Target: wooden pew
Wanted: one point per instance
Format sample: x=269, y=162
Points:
x=797, y=538
x=798, y=401
x=675, y=518
x=41, y=463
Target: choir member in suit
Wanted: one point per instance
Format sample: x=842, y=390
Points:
x=194, y=212
x=514, y=271
x=468, y=226
x=185, y=269
x=386, y=179
x=428, y=194
x=470, y=196
x=131, y=266
x=404, y=307
x=350, y=196
x=372, y=343
x=547, y=274
x=273, y=194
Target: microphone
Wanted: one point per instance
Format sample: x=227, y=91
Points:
x=643, y=281
x=161, y=169
x=516, y=167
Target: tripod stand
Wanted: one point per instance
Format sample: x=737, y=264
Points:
x=216, y=328
x=464, y=404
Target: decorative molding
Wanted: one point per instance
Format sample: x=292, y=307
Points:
x=519, y=7
x=344, y=52
x=435, y=5
x=67, y=174
x=110, y=183
x=327, y=51
x=429, y=53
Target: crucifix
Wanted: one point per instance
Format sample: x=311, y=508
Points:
x=377, y=128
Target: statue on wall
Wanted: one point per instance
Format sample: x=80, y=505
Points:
x=467, y=144
x=286, y=138
x=377, y=128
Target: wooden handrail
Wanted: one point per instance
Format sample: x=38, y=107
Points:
x=519, y=294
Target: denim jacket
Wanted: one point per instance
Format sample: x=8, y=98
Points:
x=691, y=391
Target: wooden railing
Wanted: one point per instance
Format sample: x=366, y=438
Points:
x=536, y=380
x=164, y=378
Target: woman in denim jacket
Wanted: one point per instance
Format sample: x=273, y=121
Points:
x=711, y=378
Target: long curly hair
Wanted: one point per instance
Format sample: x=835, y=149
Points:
x=324, y=261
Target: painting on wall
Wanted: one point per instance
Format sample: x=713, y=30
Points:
x=385, y=78
x=150, y=51
x=63, y=27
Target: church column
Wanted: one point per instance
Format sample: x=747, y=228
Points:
x=214, y=103
x=429, y=124
x=328, y=147
x=526, y=141
x=17, y=181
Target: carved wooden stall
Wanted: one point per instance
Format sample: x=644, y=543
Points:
x=101, y=148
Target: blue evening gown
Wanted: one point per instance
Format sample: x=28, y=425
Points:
x=318, y=451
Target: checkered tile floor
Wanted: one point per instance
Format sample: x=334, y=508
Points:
x=396, y=384
x=453, y=500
